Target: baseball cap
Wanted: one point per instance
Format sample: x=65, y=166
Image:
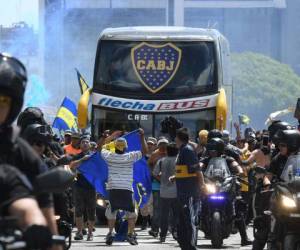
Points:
x=68, y=132
x=121, y=143
x=152, y=140
x=162, y=140
x=75, y=135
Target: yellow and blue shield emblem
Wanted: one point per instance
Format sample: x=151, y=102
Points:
x=155, y=65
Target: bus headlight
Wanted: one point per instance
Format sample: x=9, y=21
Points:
x=288, y=202
x=211, y=188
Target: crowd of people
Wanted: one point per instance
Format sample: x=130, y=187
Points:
x=177, y=171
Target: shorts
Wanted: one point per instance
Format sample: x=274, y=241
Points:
x=85, y=202
x=120, y=200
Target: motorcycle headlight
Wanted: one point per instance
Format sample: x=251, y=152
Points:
x=211, y=188
x=288, y=202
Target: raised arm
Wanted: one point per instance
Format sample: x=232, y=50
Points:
x=144, y=149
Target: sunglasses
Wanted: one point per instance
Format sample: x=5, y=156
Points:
x=282, y=145
x=18, y=67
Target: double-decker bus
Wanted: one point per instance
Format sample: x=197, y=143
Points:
x=144, y=74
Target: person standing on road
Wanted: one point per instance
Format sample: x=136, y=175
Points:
x=164, y=169
x=119, y=185
x=147, y=210
x=189, y=183
x=85, y=193
x=159, y=153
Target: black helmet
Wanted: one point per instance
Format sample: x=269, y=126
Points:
x=13, y=78
x=278, y=125
x=216, y=144
x=215, y=133
x=289, y=137
x=37, y=132
x=31, y=115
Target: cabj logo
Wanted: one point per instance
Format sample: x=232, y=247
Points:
x=155, y=65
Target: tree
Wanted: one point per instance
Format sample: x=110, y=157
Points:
x=262, y=85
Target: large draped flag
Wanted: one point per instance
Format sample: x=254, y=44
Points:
x=96, y=170
x=66, y=117
x=82, y=83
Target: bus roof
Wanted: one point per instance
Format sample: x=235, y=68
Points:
x=159, y=33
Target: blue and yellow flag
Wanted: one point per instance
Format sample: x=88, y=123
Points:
x=96, y=170
x=82, y=83
x=66, y=117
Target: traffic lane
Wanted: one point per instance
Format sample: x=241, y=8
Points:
x=147, y=242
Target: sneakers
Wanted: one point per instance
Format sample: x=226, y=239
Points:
x=162, y=239
x=78, y=236
x=109, y=239
x=153, y=233
x=132, y=239
x=84, y=232
x=90, y=237
x=246, y=242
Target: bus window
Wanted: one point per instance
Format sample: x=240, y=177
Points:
x=115, y=73
x=195, y=121
x=119, y=120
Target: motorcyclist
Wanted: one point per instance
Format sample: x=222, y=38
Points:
x=16, y=199
x=272, y=129
x=39, y=137
x=288, y=142
x=229, y=149
x=13, y=149
x=215, y=148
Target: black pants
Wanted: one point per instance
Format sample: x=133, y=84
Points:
x=156, y=212
x=168, y=205
x=187, y=212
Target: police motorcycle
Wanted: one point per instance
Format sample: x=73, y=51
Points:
x=218, y=207
x=54, y=181
x=285, y=206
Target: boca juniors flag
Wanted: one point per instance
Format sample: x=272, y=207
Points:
x=155, y=64
x=66, y=117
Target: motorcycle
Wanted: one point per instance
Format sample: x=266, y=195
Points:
x=218, y=208
x=54, y=181
x=285, y=207
x=11, y=238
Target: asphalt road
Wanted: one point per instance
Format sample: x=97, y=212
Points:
x=149, y=243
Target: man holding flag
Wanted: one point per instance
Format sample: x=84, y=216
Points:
x=119, y=184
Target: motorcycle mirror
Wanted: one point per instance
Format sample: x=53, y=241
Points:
x=54, y=181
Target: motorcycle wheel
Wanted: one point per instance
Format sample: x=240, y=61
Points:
x=216, y=230
x=290, y=242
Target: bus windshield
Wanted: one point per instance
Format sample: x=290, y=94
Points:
x=152, y=70
x=127, y=121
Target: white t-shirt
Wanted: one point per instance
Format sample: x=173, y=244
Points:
x=120, y=168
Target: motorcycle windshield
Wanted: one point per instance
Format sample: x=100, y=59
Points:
x=291, y=171
x=217, y=169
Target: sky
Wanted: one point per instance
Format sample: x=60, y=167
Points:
x=13, y=11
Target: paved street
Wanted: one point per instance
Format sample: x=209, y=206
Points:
x=147, y=242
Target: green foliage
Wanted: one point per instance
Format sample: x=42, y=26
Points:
x=262, y=85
